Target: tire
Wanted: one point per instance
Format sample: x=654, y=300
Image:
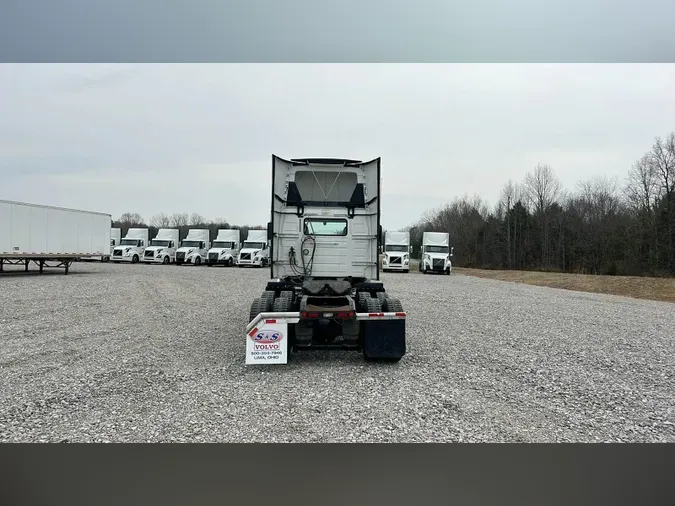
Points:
x=230, y=262
x=134, y=259
x=267, y=300
x=361, y=301
x=281, y=305
x=198, y=260
x=255, y=309
x=166, y=260
x=392, y=305
x=373, y=305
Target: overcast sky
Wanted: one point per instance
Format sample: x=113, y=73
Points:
x=199, y=138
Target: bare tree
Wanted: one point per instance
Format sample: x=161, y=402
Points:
x=197, y=219
x=662, y=158
x=179, y=220
x=542, y=188
x=507, y=201
x=642, y=187
x=160, y=220
x=131, y=220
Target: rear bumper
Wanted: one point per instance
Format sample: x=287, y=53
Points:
x=268, y=336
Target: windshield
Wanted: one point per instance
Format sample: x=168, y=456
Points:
x=436, y=249
x=159, y=242
x=396, y=247
x=130, y=242
x=190, y=244
x=222, y=244
x=320, y=226
x=254, y=245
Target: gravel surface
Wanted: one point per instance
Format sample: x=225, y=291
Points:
x=152, y=353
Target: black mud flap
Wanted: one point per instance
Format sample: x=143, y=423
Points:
x=384, y=339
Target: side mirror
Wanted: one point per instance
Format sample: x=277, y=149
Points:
x=451, y=251
x=269, y=231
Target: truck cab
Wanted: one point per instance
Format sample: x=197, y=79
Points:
x=132, y=246
x=396, y=252
x=255, y=251
x=324, y=291
x=436, y=253
x=225, y=249
x=162, y=249
x=194, y=247
x=115, y=238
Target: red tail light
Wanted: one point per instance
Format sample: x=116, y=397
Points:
x=270, y=321
x=306, y=314
x=345, y=315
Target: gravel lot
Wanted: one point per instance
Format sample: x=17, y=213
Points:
x=152, y=353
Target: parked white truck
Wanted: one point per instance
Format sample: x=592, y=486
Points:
x=254, y=251
x=132, y=246
x=225, y=249
x=325, y=291
x=162, y=249
x=50, y=236
x=396, y=251
x=194, y=247
x=115, y=238
x=436, y=253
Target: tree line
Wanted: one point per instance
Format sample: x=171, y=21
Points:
x=182, y=221
x=603, y=226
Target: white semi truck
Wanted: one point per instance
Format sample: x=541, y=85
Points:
x=325, y=291
x=50, y=236
x=115, y=238
x=225, y=249
x=254, y=251
x=132, y=246
x=436, y=253
x=194, y=247
x=396, y=251
x=162, y=249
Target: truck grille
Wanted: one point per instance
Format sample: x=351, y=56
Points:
x=149, y=254
x=245, y=256
x=213, y=257
x=395, y=260
x=180, y=256
x=117, y=252
x=439, y=264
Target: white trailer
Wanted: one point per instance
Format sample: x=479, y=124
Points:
x=396, y=251
x=225, y=249
x=436, y=253
x=115, y=237
x=162, y=249
x=255, y=251
x=194, y=247
x=50, y=236
x=325, y=291
x=133, y=245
